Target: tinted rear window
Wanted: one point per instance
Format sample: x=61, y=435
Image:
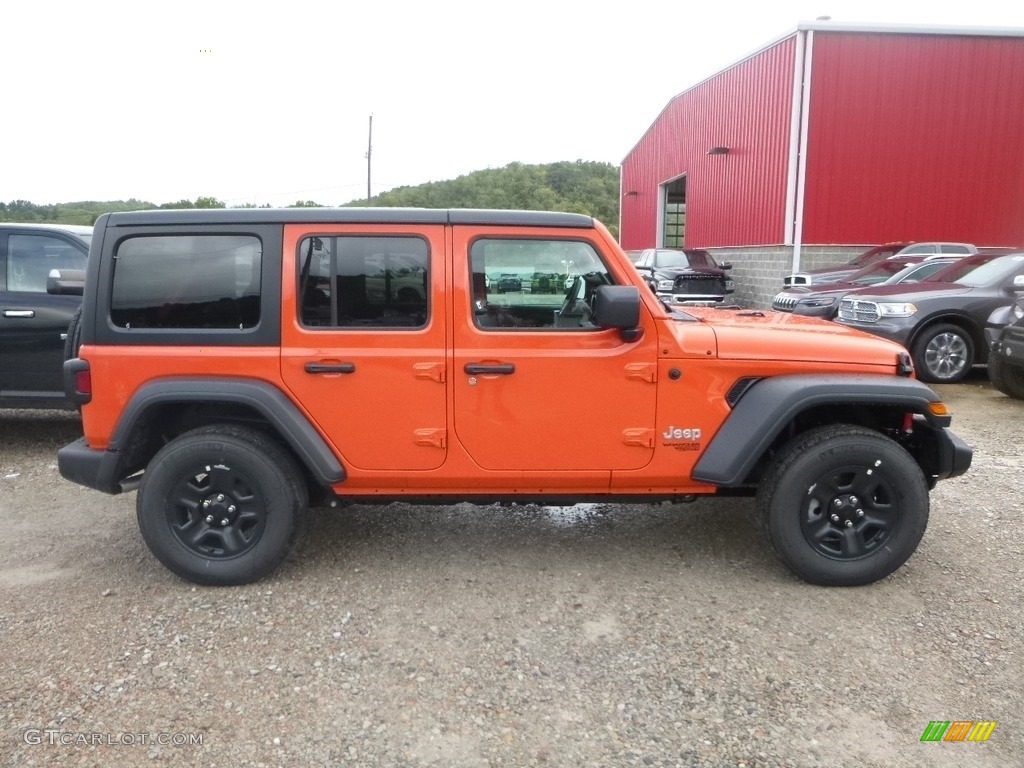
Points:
x=187, y=281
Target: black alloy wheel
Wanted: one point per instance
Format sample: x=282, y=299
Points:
x=221, y=505
x=844, y=505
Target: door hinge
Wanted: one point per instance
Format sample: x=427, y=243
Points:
x=432, y=371
x=431, y=438
x=643, y=371
x=641, y=437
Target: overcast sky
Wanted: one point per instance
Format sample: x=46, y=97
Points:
x=269, y=102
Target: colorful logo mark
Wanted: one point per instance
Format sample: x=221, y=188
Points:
x=958, y=730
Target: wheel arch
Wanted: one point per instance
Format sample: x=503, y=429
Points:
x=961, y=320
x=165, y=408
x=773, y=410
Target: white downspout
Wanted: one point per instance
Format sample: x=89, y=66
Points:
x=797, y=177
x=805, y=117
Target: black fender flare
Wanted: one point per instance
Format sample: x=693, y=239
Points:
x=770, y=404
x=263, y=397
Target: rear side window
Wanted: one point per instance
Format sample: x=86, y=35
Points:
x=187, y=281
x=359, y=281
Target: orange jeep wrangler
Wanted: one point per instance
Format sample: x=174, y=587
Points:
x=235, y=366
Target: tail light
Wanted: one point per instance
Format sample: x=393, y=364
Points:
x=77, y=381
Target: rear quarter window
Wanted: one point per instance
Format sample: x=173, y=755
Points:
x=187, y=281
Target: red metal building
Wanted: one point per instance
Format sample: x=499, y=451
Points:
x=839, y=135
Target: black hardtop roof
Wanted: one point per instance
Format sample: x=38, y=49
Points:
x=192, y=216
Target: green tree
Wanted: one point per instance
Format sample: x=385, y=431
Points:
x=582, y=186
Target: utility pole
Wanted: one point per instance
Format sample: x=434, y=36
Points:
x=369, y=152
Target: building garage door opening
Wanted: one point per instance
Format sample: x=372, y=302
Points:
x=674, y=213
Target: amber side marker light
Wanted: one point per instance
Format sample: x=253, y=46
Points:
x=939, y=409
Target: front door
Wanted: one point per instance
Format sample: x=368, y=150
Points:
x=537, y=386
x=33, y=323
x=363, y=340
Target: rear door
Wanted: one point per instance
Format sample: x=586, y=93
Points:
x=537, y=386
x=363, y=340
x=33, y=323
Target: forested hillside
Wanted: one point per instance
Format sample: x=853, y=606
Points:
x=579, y=187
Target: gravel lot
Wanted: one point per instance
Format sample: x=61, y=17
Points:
x=597, y=635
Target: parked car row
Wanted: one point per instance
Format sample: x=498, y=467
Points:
x=822, y=299
x=942, y=320
x=947, y=303
x=878, y=253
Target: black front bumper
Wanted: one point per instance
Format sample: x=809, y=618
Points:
x=1008, y=345
x=954, y=455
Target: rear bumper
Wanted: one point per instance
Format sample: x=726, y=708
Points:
x=86, y=466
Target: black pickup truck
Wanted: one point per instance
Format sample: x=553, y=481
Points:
x=36, y=307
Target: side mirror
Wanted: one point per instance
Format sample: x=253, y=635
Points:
x=725, y=265
x=618, y=306
x=1018, y=284
x=66, y=282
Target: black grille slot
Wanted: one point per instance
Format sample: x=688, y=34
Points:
x=737, y=390
x=699, y=285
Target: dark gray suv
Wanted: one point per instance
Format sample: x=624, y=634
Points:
x=36, y=307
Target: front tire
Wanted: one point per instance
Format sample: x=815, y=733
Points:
x=1008, y=379
x=844, y=505
x=221, y=505
x=943, y=354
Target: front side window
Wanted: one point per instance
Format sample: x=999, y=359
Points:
x=187, y=281
x=357, y=281
x=535, y=283
x=31, y=257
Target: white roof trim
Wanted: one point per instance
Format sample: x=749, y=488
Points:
x=834, y=26
x=908, y=29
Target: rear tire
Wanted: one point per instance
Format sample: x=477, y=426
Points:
x=844, y=505
x=221, y=505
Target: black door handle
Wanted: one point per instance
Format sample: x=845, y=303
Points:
x=474, y=369
x=330, y=367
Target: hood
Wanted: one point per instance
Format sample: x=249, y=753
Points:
x=670, y=273
x=826, y=276
x=800, y=291
x=912, y=291
x=767, y=335
x=821, y=276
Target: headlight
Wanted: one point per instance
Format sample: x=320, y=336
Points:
x=665, y=285
x=730, y=285
x=894, y=309
x=1018, y=310
x=824, y=301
